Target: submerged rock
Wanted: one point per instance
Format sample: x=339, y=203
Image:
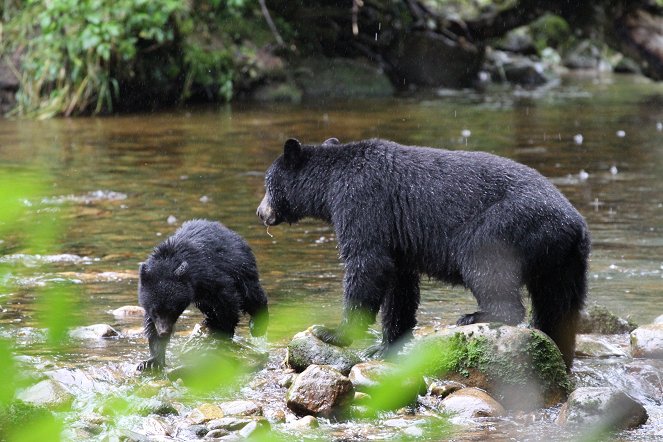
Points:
x=305, y=349
x=468, y=403
x=128, y=311
x=601, y=408
x=205, y=413
x=241, y=408
x=647, y=341
x=521, y=367
x=367, y=375
x=47, y=393
x=597, y=346
x=96, y=331
x=598, y=319
x=319, y=390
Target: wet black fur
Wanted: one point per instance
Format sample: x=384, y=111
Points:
x=470, y=218
x=219, y=276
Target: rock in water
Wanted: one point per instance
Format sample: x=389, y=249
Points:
x=599, y=409
x=522, y=368
x=305, y=349
x=647, y=341
x=319, y=390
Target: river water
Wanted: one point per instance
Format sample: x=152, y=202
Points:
x=118, y=186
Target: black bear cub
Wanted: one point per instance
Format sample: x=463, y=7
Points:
x=206, y=264
x=470, y=218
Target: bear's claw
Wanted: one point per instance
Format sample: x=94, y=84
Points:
x=150, y=365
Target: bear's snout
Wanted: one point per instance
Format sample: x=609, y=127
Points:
x=265, y=212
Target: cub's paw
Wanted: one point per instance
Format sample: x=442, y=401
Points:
x=330, y=335
x=151, y=364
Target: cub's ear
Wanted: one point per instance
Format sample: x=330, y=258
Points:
x=181, y=270
x=292, y=152
x=142, y=270
x=329, y=141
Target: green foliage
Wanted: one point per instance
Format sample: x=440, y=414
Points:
x=550, y=31
x=72, y=48
x=21, y=422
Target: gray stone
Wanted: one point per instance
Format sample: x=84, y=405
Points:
x=601, y=408
x=367, y=375
x=469, y=403
x=598, y=319
x=240, y=408
x=129, y=311
x=597, y=346
x=303, y=424
x=319, y=390
x=229, y=423
x=96, y=331
x=647, y=341
x=341, y=78
x=305, y=349
x=47, y=393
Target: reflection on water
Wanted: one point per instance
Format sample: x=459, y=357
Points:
x=123, y=184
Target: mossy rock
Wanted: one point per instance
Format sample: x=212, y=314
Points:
x=598, y=319
x=341, y=78
x=522, y=368
x=306, y=349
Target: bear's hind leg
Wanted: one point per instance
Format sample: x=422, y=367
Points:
x=495, y=284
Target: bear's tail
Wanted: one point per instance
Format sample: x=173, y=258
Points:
x=558, y=293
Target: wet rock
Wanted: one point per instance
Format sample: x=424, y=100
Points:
x=215, y=434
x=597, y=319
x=303, y=424
x=158, y=407
x=47, y=393
x=597, y=346
x=521, y=367
x=129, y=311
x=585, y=55
x=468, y=403
x=240, y=408
x=189, y=432
x=228, y=423
x=305, y=349
x=367, y=375
x=255, y=429
x=96, y=331
x=525, y=72
x=601, y=408
x=157, y=426
x=443, y=389
x=342, y=78
x=287, y=380
x=277, y=92
x=319, y=390
x=205, y=413
x=627, y=66
x=658, y=320
x=647, y=341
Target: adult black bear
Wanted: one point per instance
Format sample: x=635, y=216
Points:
x=468, y=218
x=206, y=264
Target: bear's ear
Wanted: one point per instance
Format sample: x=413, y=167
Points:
x=142, y=270
x=331, y=141
x=292, y=151
x=181, y=270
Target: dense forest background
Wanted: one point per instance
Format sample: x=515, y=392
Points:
x=73, y=57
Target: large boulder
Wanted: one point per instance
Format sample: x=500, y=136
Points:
x=320, y=390
x=305, y=349
x=647, y=341
x=341, y=78
x=522, y=368
x=600, y=409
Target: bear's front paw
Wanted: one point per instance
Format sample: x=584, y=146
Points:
x=377, y=351
x=151, y=364
x=471, y=318
x=331, y=336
